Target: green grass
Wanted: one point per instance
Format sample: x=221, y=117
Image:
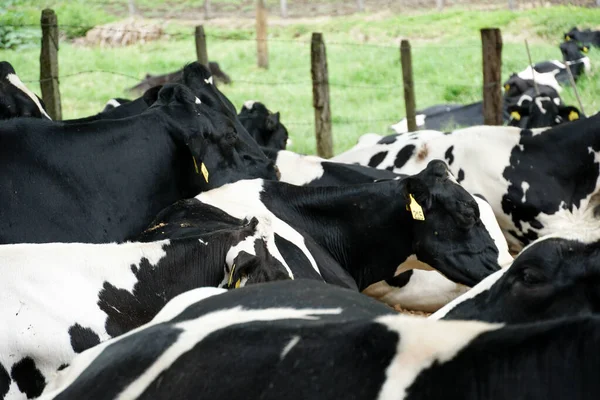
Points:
x=365, y=79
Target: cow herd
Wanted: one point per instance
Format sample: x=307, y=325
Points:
x=171, y=248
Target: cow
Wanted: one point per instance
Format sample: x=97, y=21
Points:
x=305, y=340
x=151, y=81
x=444, y=117
x=114, y=103
x=584, y=36
x=104, y=181
x=356, y=235
x=16, y=100
x=263, y=125
x=555, y=276
x=538, y=111
x=575, y=57
x=417, y=288
x=538, y=181
x=60, y=299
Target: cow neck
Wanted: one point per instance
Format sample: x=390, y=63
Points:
x=366, y=228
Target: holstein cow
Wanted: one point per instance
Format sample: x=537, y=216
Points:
x=60, y=299
x=263, y=125
x=306, y=340
x=356, y=235
x=104, y=181
x=538, y=111
x=114, y=103
x=575, y=57
x=444, y=117
x=555, y=276
x=417, y=288
x=584, y=36
x=537, y=181
x=16, y=100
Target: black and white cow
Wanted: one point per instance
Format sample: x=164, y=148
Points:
x=114, y=103
x=538, y=111
x=306, y=340
x=417, y=288
x=584, y=36
x=444, y=117
x=574, y=55
x=104, y=181
x=555, y=276
x=538, y=182
x=16, y=100
x=263, y=125
x=60, y=299
x=356, y=235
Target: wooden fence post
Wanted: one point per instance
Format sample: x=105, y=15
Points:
x=491, y=44
x=283, y=5
x=132, y=9
x=261, y=34
x=206, y=7
x=439, y=4
x=511, y=5
x=49, y=64
x=320, y=86
x=409, y=86
x=361, y=5
x=201, y=52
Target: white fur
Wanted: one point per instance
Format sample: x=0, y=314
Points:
x=368, y=139
x=15, y=81
x=421, y=343
x=249, y=104
x=547, y=78
x=209, y=80
x=242, y=199
x=402, y=126
x=197, y=101
x=112, y=102
x=297, y=169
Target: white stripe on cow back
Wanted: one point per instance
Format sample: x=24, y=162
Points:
x=297, y=169
x=194, y=331
x=421, y=343
x=242, y=200
x=15, y=81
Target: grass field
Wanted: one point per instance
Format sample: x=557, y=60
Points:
x=363, y=58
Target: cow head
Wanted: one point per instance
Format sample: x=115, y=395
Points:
x=263, y=125
x=451, y=238
x=575, y=55
x=551, y=278
x=255, y=268
x=218, y=153
x=16, y=100
x=516, y=86
x=540, y=112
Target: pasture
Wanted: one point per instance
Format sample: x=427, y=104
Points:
x=363, y=59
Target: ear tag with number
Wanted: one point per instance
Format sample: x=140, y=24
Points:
x=204, y=172
x=515, y=115
x=415, y=209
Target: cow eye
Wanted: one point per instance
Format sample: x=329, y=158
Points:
x=531, y=277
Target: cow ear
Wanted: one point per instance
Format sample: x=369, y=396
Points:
x=569, y=113
x=151, y=95
x=250, y=269
x=272, y=121
x=416, y=189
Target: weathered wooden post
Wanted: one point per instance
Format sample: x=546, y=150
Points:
x=49, y=64
x=261, y=34
x=284, y=11
x=320, y=85
x=409, y=86
x=206, y=7
x=361, y=5
x=491, y=43
x=201, y=52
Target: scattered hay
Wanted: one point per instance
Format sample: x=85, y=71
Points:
x=123, y=33
x=411, y=312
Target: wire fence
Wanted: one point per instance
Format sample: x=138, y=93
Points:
x=381, y=96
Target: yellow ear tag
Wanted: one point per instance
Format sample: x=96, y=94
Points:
x=585, y=49
x=507, y=87
x=195, y=165
x=231, y=276
x=238, y=283
x=567, y=38
x=573, y=115
x=515, y=115
x=204, y=172
x=415, y=209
